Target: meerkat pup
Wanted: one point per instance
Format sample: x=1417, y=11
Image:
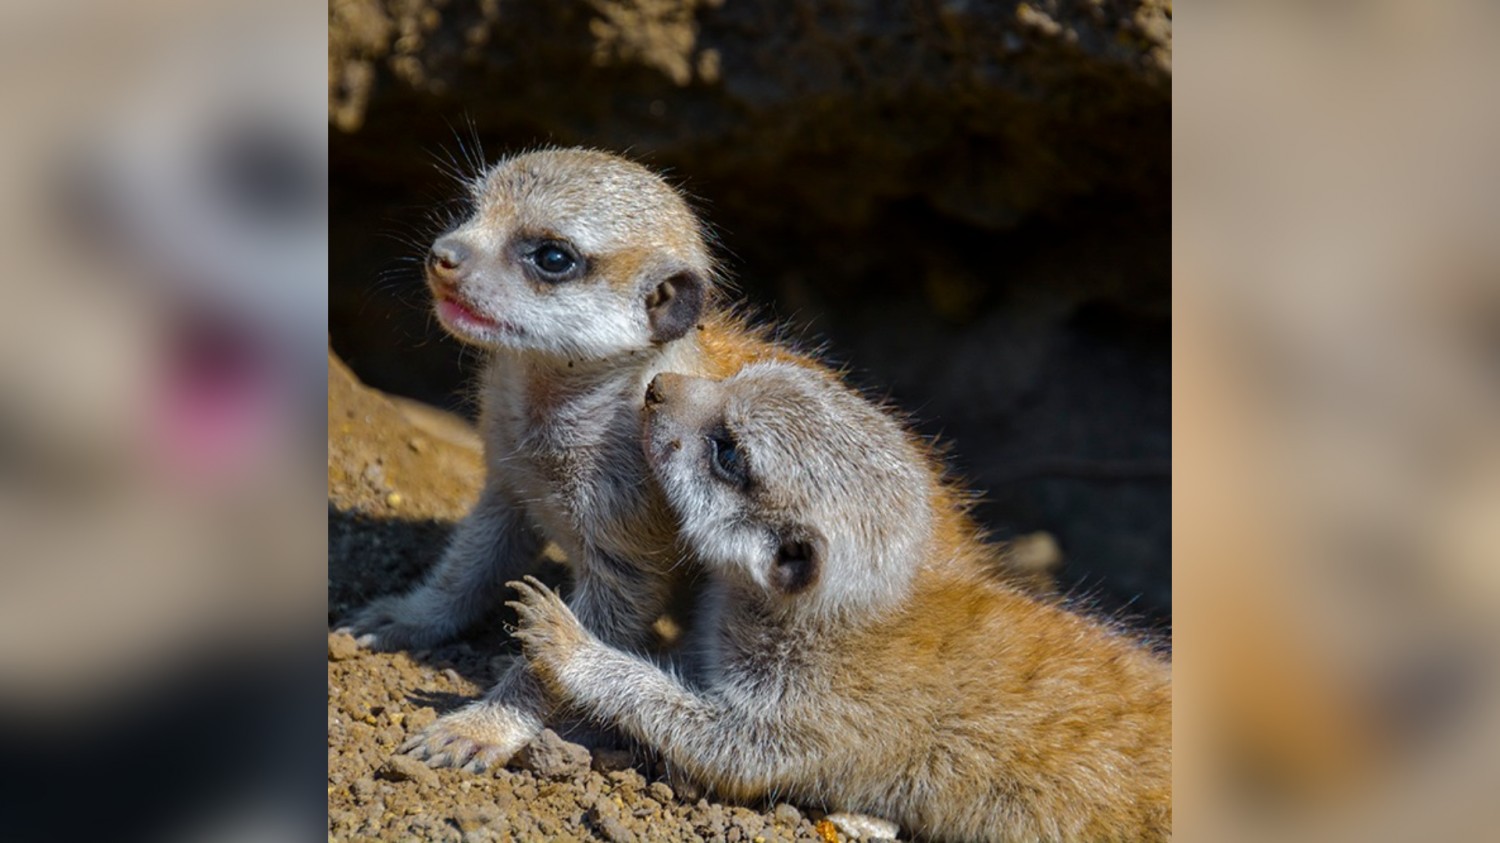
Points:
x=582, y=275
x=854, y=655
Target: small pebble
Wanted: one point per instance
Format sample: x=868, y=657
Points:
x=552, y=757
x=341, y=646
x=786, y=815
x=402, y=768
x=607, y=760
x=420, y=719
x=612, y=829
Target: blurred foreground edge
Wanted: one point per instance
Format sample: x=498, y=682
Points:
x=1337, y=421
x=163, y=199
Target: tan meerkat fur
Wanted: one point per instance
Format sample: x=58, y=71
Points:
x=846, y=660
x=571, y=353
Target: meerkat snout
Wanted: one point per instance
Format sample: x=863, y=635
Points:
x=445, y=267
x=654, y=392
x=446, y=257
x=667, y=387
x=675, y=406
x=685, y=398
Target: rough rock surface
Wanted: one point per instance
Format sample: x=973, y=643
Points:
x=968, y=202
x=989, y=111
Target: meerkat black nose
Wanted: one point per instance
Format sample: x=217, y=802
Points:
x=673, y=387
x=447, y=256
x=653, y=393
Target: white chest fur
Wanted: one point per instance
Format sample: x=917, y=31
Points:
x=567, y=442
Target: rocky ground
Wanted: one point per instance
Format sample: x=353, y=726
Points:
x=398, y=476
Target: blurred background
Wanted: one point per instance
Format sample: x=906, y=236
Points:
x=1336, y=421
x=163, y=212
x=966, y=203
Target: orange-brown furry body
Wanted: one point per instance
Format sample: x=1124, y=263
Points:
x=858, y=655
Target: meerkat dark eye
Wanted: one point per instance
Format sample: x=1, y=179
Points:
x=554, y=259
x=727, y=459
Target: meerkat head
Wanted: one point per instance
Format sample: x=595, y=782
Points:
x=572, y=253
x=784, y=477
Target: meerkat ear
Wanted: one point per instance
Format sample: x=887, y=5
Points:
x=674, y=305
x=799, y=559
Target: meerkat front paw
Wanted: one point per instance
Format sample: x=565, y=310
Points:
x=396, y=622
x=547, y=628
x=477, y=738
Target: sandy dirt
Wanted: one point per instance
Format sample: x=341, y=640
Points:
x=398, y=477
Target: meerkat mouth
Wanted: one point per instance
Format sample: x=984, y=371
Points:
x=656, y=445
x=453, y=310
x=466, y=318
x=217, y=395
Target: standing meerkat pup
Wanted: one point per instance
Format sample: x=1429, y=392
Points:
x=583, y=275
x=847, y=661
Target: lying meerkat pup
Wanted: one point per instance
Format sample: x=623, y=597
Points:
x=847, y=661
x=582, y=275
